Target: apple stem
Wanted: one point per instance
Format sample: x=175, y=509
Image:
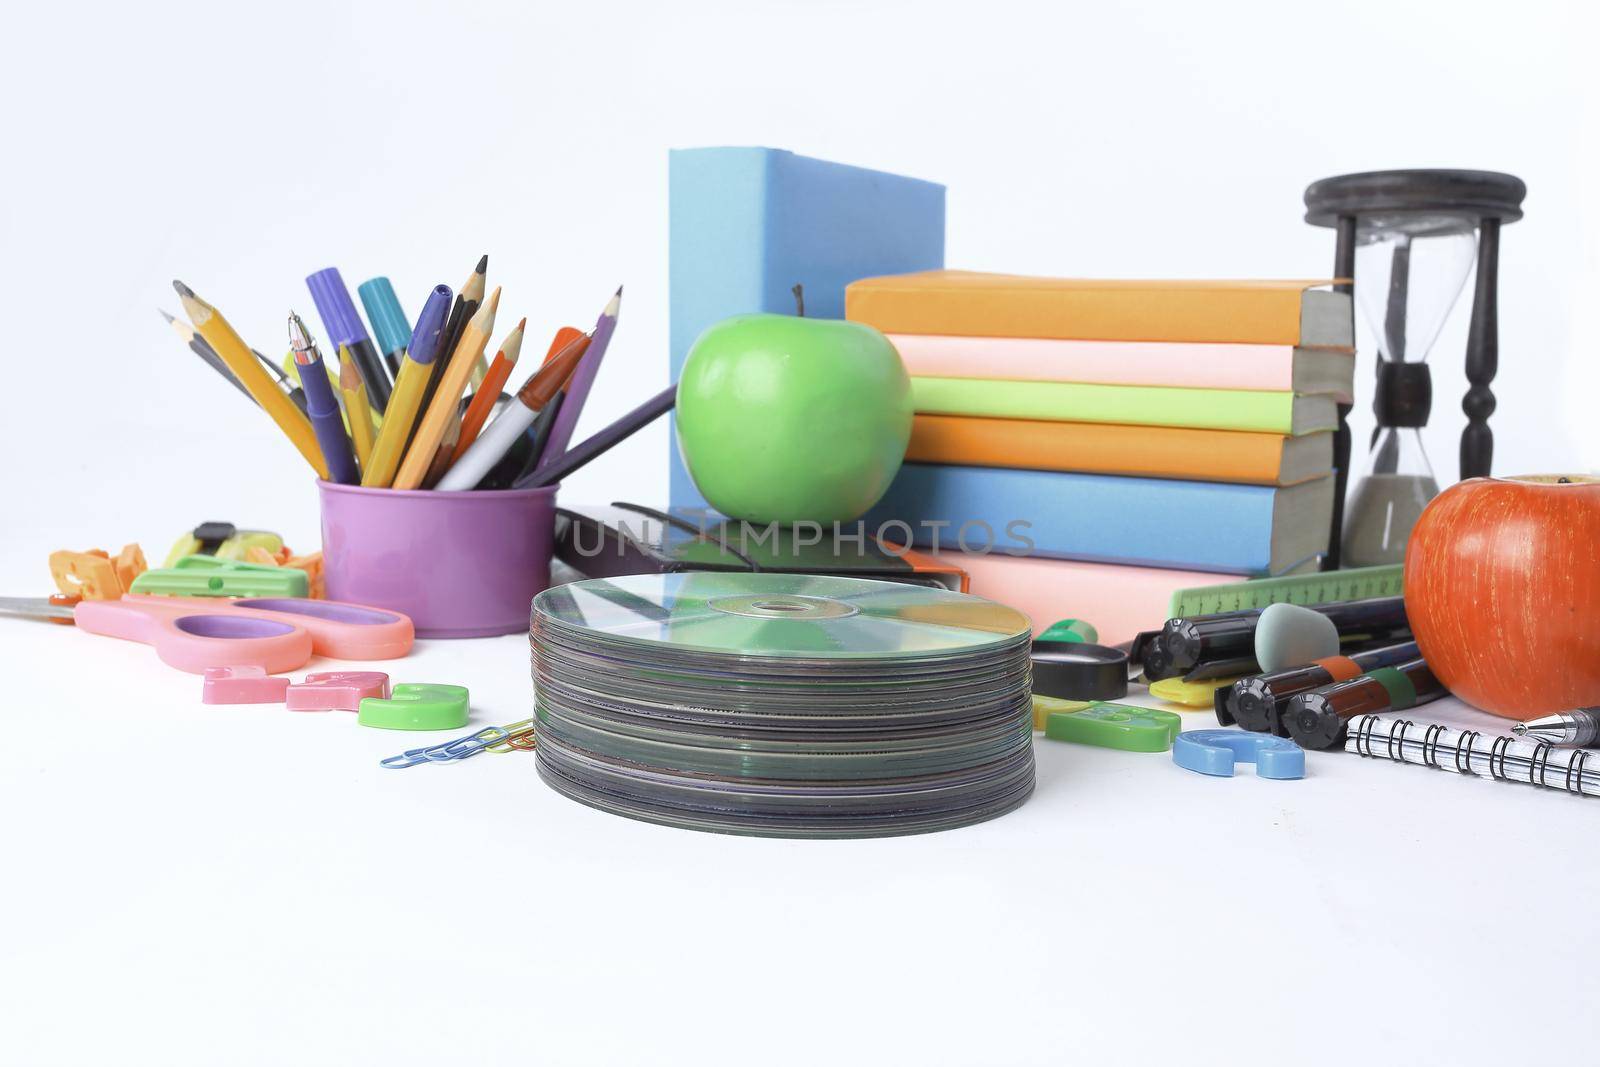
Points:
x=799, y=300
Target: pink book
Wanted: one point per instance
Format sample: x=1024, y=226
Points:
x=1278, y=368
x=1118, y=600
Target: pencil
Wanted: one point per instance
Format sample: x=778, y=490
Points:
x=577, y=390
x=447, y=398
x=406, y=399
x=604, y=441
x=232, y=350
x=489, y=390
x=198, y=346
x=356, y=409
x=322, y=407
x=468, y=300
x=514, y=421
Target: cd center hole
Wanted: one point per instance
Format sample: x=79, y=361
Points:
x=777, y=605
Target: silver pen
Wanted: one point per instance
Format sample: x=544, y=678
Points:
x=1569, y=729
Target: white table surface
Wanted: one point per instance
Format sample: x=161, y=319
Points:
x=190, y=884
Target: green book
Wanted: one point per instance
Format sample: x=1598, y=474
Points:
x=1250, y=410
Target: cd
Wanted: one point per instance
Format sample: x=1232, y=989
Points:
x=782, y=704
x=790, y=616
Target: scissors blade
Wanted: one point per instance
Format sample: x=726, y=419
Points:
x=35, y=607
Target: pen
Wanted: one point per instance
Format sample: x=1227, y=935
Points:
x=322, y=408
x=1579, y=728
x=409, y=386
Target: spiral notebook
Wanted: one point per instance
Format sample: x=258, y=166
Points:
x=1475, y=752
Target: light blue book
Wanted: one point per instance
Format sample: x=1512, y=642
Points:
x=1151, y=522
x=748, y=224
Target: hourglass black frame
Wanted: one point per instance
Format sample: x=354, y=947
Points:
x=1485, y=198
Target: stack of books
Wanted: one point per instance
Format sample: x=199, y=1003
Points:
x=1083, y=448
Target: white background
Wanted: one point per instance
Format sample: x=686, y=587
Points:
x=183, y=885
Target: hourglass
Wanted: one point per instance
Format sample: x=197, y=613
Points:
x=1408, y=238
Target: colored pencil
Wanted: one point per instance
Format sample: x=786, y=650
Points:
x=524, y=456
x=344, y=327
x=577, y=390
x=468, y=300
x=446, y=404
x=514, y=421
x=406, y=401
x=605, y=440
x=232, y=350
x=198, y=346
x=358, y=413
x=488, y=392
x=321, y=406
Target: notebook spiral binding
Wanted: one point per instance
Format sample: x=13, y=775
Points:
x=1506, y=758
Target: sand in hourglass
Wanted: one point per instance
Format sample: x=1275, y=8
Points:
x=1385, y=508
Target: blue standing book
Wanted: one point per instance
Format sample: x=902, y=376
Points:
x=1151, y=522
x=749, y=224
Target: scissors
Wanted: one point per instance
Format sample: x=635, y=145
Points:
x=194, y=633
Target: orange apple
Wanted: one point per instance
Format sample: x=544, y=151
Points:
x=1502, y=586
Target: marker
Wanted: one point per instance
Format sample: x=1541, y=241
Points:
x=1257, y=704
x=344, y=327
x=1321, y=719
x=1199, y=647
x=388, y=320
x=1566, y=729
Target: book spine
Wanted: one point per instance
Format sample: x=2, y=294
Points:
x=717, y=200
x=1203, y=526
x=1119, y=600
x=1209, y=315
x=1098, y=448
x=1190, y=366
x=1207, y=409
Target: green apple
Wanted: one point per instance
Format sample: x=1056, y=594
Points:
x=786, y=419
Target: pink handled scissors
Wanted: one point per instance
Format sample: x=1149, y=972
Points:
x=194, y=633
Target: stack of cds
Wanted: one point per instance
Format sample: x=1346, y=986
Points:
x=782, y=705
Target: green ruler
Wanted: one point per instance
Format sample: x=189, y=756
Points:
x=1324, y=587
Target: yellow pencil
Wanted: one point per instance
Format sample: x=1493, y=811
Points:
x=232, y=350
x=357, y=411
x=410, y=385
x=446, y=402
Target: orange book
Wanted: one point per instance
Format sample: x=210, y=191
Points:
x=969, y=304
x=1110, y=448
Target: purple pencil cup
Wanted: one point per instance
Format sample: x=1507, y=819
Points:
x=460, y=564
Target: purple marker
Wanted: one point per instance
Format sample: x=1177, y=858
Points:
x=344, y=327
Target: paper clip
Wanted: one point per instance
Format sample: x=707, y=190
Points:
x=515, y=732
x=459, y=748
x=402, y=761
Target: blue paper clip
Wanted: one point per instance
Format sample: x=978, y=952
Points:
x=459, y=748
